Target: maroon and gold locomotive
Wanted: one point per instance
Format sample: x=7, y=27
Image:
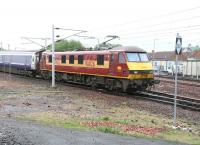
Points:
x=120, y=68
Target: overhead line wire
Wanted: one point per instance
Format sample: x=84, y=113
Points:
x=159, y=33
x=145, y=19
x=167, y=29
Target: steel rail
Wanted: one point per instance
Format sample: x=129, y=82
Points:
x=182, y=101
x=179, y=78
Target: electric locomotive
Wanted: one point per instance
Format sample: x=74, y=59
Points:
x=120, y=68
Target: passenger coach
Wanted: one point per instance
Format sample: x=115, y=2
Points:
x=19, y=62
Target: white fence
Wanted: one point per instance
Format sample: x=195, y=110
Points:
x=191, y=68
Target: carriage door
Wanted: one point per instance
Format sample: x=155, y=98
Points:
x=121, y=67
x=113, y=64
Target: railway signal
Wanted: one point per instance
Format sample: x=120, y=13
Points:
x=178, y=51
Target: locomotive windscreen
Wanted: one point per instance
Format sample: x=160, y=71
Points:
x=136, y=57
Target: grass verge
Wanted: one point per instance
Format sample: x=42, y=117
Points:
x=153, y=129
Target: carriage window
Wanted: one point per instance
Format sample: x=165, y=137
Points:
x=80, y=59
x=121, y=58
x=50, y=58
x=100, y=59
x=63, y=59
x=112, y=58
x=71, y=59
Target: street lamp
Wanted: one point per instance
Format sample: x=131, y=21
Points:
x=153, y=52
x=154, y=48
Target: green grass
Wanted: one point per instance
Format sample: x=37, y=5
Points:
x=180, y=136
x=106, y=118
x=123, y=121
x=109, y=130
x=74, y=125
x=54, y=119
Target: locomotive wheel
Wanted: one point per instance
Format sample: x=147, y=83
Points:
x=58, y=77
x=110, y=85
x=93, y=83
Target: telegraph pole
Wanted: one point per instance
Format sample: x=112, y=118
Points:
x=178, y=51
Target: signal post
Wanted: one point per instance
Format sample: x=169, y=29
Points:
x=178, y=51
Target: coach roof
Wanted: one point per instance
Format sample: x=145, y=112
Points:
x=28, y=53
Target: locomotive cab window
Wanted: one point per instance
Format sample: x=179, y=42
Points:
x=136, y=57
x=71, y=59
x=121, y=58
x=63, y=59
x=50, y=58
x=80, y=59
x=100, y=59
x=143, y=57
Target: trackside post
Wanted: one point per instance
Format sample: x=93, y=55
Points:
x=178, y=51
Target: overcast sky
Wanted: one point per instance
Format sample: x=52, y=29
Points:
x=136, y=22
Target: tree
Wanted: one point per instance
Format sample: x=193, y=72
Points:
x=65, y=45
x=2, y=49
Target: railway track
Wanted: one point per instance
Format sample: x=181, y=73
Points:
x=189, y=79
x=170, y=81
x=182, y=101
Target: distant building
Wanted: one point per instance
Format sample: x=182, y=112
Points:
x=164, y=61
x=192, y=65
x=188, y=65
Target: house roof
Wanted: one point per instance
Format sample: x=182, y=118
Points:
x=196, y=55
x=168, y=56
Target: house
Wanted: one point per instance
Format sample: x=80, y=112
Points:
x=192, y=65
x=164, y=61
x=188, y=62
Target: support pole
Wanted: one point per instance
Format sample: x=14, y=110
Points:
x=175, y=94
x=53, y=58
